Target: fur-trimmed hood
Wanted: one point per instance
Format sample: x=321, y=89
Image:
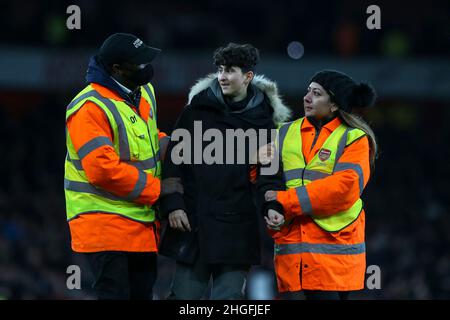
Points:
x=281, y=112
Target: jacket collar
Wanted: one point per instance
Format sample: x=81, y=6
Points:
x=330, y=126
x=253, y=101
x=281, y=113
x=97, y=73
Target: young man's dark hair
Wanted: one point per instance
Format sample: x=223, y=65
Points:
x=244, y=56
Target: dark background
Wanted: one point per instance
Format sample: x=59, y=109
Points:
x=42, y=66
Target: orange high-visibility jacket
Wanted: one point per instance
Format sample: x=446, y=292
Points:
x=314, y=269
x=95, y=232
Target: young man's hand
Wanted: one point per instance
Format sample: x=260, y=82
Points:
x=270, y=195
x=266, y=154
x=178, y=220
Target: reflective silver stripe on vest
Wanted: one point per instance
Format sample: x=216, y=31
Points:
x=139, y=186
x=352, y=166
x=282, y=132
x=314, y=175
x=76, y=163
x=306, y=174
x=89, y=188
x=140, y=165
x=93, y=144
x=293, y=174
x=324, y=248
x=341, y=146
x=303, y=199
x=150, y=94
x=103, y=212
x=82, y=97
x=146, y=164
x=124, y=148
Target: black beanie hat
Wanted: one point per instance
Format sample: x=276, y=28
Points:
x=344, y=91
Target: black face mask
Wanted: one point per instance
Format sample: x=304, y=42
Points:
x=142, y=76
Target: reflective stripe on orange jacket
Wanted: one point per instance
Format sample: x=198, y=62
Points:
x=309, y=257
x=98, y=231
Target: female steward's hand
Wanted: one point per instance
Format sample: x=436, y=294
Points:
x=274, y=220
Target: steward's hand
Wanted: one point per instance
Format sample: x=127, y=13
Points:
x=274, y=220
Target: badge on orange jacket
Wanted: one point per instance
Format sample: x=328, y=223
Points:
x=324, y=154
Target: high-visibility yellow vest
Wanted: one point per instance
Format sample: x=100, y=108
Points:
x=298, y=174
x=135, y=141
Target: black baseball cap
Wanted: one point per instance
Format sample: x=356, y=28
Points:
x=125, y=47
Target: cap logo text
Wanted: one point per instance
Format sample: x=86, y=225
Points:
x=137, y=43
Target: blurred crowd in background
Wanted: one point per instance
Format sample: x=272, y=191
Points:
x=328, y=27
x=407, y=200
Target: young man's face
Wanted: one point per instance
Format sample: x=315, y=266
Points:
x=233, y=81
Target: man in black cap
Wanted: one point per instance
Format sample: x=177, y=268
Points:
x=128, y=60
x=113, y=169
